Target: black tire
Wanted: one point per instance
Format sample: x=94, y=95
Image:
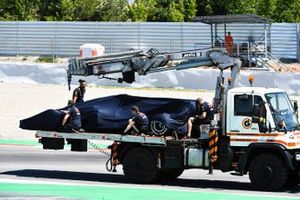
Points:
x=139, y=166
x=293, y=179
x=170, y=174
x=268, y=172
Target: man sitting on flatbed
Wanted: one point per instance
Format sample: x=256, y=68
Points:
x=139, y=123
x=203, y=116
x=72, y=119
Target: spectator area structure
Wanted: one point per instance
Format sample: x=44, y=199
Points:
x=255, y=53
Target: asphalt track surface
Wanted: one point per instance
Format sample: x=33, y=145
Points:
x=29, y=172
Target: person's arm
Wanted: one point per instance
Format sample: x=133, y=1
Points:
x=75, y=95
x=203, y=115
x=74, y=98
x=64, y=121
x=204, y=109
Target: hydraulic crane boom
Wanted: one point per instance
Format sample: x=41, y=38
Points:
x=152, y=61
x=142, y=63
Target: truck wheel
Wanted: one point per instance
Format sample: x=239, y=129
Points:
x=139, y=166
x=293, y=179
x=170, y=174
x=268, y=172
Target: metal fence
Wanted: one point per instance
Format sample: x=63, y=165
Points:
x=64, y=38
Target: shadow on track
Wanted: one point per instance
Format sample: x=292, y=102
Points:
x=117, y=178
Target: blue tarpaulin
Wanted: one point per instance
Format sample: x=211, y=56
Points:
x=110, y=114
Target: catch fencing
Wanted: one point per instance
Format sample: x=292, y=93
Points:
x=63, y=39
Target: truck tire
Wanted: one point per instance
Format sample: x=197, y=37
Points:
x=268, y=172
x=293, y=179
x=139, y=166
x=170, y=174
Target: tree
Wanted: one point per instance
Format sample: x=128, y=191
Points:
x=112, y=10
x=163, y=10
x=190, y=9
x=145, y=10
x=175, y=12
x=50, y=10
x=287, y=11
x=22, y=10
x=142, y=10
x=266, y=8
x=242, y=6
x=79, y=10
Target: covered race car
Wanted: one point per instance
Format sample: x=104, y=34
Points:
x=110, y=115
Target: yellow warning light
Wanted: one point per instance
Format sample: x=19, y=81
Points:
x=251, y=79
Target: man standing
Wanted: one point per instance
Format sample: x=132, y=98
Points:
x=139, y=122
x=78, y=93
x=229, y=42
x=203, y=115
x=73, y=117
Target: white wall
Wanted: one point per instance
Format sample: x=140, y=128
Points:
x=188, y=79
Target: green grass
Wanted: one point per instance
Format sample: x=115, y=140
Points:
x=46, y=59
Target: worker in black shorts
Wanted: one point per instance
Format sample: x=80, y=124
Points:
x=79, y=92
x=139, y=122
x=203, y=115
x=72, y=119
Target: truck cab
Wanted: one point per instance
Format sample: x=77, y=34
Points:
x=264, y=135
x=260, y=112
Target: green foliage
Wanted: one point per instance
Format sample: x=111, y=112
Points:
x=144, y=10
x=46, y=59
x=19, y=9
x=190, y=9
x=49, y=10
x=163, y=10
x=278, y=10
x=287, y=11
x=112, y=10
x=175, y=12
x=78, y=10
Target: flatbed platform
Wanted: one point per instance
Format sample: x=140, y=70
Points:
x=151, y=140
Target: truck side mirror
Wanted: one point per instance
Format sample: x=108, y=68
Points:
x=296, y=107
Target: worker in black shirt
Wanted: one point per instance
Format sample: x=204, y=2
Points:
x=78, y=93
x=203, y=115
x=72, y=119
x=139, y=122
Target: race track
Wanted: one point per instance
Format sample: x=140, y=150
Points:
x=29, y=172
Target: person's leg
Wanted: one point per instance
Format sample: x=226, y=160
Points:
x=135, y=128
x=68, y=128
x=130, y=125
x=190, y=126
x=144, y=130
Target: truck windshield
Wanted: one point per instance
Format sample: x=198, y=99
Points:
x=282, y=109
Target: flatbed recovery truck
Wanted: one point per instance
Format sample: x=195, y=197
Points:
x=255, y=130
